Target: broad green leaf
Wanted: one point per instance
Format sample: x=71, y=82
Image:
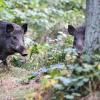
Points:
x=69, y=97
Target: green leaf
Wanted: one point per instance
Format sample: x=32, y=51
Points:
x=79, y=84
x=58, y=86
x=69, y=97
x=64, y=80
x=86, y=79
x=76, y=94
x=79, y=69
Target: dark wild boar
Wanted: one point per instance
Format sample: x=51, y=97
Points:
x=79, y=37
x=11, y=40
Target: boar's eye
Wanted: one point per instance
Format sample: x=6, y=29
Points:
x=9, y=28
x=14, y=37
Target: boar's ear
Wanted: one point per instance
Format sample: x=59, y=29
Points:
x=9, y=28
x=71, y=30
x=24, y=27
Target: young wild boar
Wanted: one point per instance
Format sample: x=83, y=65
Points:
x=11, y=40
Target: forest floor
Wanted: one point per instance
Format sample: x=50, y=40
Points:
x=11, y=87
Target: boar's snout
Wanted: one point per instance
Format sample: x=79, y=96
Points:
x=79, y=48
x=22, y=51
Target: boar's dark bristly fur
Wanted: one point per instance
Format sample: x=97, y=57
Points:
x=11, y=40
x=79, y=37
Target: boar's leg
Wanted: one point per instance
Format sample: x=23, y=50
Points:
x=6, y=67
x=4, y=61
x=74, y=43
x=79, y=60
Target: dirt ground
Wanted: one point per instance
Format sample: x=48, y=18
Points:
x=11, y=87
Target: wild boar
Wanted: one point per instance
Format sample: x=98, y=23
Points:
x=11, y=40
x=79, y=37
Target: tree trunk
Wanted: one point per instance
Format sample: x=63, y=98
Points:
x=92, y=34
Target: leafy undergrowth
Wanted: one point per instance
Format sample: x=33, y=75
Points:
x=57, y=76
x=57, y=82
x=71, y=82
